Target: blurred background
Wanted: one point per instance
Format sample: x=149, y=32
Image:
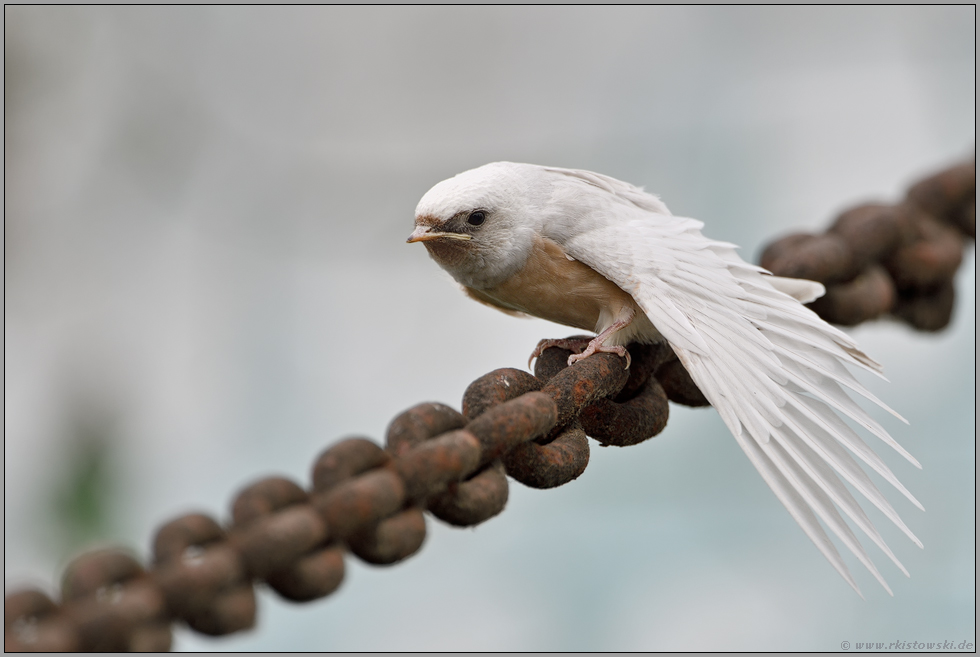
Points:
x=206, y=281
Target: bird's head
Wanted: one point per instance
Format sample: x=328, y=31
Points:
x=478, y=225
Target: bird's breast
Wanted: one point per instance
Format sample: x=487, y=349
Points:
x=555, y=288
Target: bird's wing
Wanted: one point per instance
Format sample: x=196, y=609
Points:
x=618, y=189
x=800, y=289
x=771, y=367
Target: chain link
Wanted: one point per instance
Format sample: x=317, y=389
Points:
x=898, y=260
x=370, y=501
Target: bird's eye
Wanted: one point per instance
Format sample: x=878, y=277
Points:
x=476, y=218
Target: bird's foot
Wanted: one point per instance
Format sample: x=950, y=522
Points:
x=596, y=346
x=575, y=345
x=580, y=348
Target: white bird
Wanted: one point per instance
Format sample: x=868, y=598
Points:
x=589, y=251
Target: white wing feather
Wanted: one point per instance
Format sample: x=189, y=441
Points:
x=771, y=367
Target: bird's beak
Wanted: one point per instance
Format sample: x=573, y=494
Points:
x=425, y=234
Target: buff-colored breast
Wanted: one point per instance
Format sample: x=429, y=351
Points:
x=552, y=287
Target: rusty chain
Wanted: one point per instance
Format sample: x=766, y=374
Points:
x=878, y=259
x=370, y=501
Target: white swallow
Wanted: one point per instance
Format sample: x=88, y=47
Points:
x=589, y=251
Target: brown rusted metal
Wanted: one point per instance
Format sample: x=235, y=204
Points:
x=312, y=576
x=503, y=427
x=548, y=460
x=113, y=605
x=679, y=385
x=108, y=603
x=871, y=231
x=473, y=501
x=479, y=497
x=950, y=195
x=824, y=258
x=554, y=464
x=878, y=259
x=927, y=311
x=433, y=465
x=360, y=501
x=392, y=539
x=346, y=459
x=272, y=543
x=573, y=388
x=33, y=622
x=871, y=294
x=176, y=536
x=629, y=422
x=93, y=572
x=420, y=423
x=192, y=582
x=283, y=540
x=495, y=388
x=371, y=501
x=202, y=578
x=932, y=256
x=264, y=497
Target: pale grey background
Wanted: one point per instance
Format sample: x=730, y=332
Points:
x=205, y=213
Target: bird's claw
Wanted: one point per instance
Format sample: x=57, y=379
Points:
x=575, y=345
x=581, y=348
x=600, y=348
